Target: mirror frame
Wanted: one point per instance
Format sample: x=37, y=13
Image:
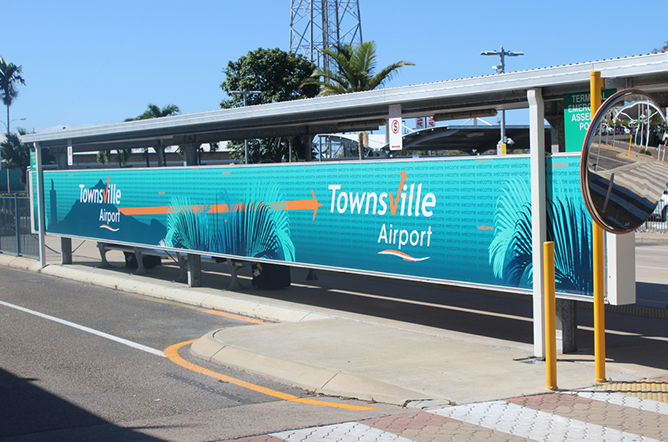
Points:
x=584, y=159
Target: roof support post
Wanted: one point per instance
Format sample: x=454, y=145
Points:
x=160, y=153
x=194, y=263
x=41, y=219
x=538, y=213
x=65, y=243
x=308, y=146
x=190, y=154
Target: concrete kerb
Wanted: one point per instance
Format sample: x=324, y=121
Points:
x=322, y=376
x=229, y=302
x=300, y=375
x=17, y=262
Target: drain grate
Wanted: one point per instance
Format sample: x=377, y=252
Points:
x=531, y=360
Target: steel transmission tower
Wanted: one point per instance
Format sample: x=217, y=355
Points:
x=319, y=24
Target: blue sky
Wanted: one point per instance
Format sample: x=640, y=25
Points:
x=98, y=62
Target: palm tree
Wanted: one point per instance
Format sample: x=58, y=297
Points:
x=153, y=111
x=355, y=72
x=10, y=74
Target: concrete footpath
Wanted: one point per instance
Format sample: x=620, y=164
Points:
x=339, y=353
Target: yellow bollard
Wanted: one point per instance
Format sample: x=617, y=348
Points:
x=597, y=252
x=550, y=317
x=599, y=304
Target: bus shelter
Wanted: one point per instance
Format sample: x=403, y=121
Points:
x=470, y=221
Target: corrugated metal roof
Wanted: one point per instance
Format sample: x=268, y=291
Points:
x=364, y=109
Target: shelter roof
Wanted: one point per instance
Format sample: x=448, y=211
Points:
x=452, y=99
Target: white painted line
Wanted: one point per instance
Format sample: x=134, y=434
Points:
x=141, y=347
x=347, y=431
x=622, y=333
x=649, y=249
x=533, y=424
x=625, y=400
x=652, y=268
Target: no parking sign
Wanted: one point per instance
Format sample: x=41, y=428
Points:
x=394, y=125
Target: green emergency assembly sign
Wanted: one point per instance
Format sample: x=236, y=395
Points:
x=577, y=115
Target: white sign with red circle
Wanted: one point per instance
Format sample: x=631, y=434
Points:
x=396, y=139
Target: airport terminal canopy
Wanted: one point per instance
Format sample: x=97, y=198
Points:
x=445, y=100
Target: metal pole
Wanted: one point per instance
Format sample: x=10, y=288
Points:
x=245, y=139
x=500, y=69
x=503, y=126
x=598, y=253
x=550, y=318
x=40, y=207
x=538, y=213
x=17, y=220
x=245, y=94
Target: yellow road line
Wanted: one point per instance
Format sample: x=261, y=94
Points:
x=240, y=318
x=172, y=353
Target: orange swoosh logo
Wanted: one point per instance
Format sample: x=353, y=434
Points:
x=404, y=256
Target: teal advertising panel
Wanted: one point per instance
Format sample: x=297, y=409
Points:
x=464, y=220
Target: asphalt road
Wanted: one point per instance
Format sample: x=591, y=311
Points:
x=59, y=382
x=63, y=383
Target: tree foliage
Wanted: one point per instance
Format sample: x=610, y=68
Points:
x=122, y=156
x=355, y=70
x=10, y=76
x=16, y=154
x=152, y=111
x=663, y=48
x=278, y=75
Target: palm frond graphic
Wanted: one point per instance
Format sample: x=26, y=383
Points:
x=187, y=227
x=260, y=230
x=568, y=226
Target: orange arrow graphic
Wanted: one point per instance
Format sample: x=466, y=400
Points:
x=159, y=210
x=311, y=204
x=304, y=205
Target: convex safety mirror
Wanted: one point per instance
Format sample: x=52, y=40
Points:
x=624, y=171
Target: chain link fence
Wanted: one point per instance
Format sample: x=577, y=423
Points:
x=15, y=234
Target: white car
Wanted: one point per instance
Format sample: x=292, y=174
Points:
x=659, y=213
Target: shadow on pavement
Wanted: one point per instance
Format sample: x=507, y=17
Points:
x=652, y=295
x=630, y=339
x=31, y=413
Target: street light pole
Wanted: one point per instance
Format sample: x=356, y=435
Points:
x=500, y=69
x=245, y=94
